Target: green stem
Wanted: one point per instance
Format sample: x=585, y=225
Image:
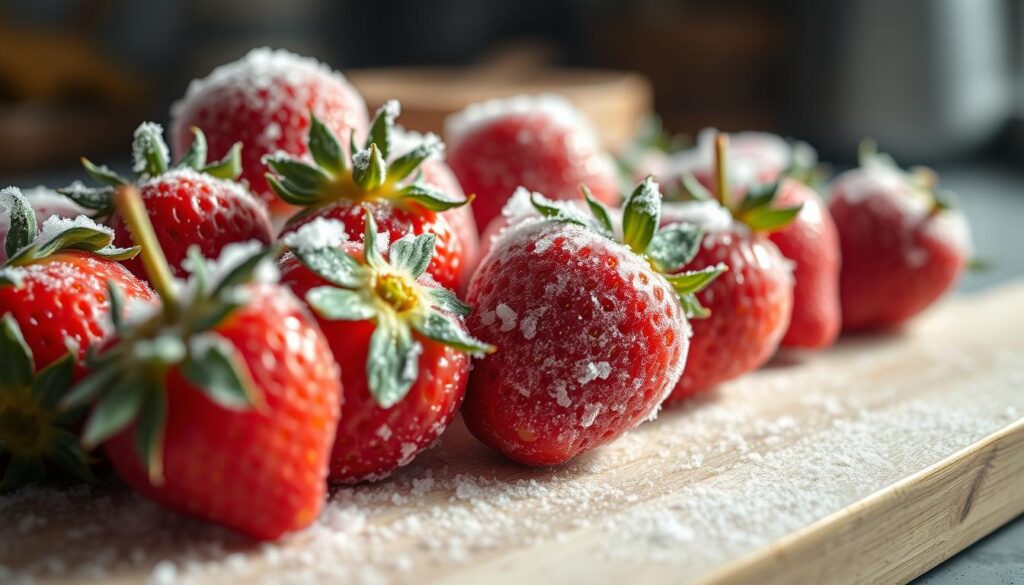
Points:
x=129, y=205
x=721, y=169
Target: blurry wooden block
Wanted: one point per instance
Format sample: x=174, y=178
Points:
x=614, y=101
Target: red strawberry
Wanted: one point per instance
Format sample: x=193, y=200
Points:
x=193, y=204
x=751, y=304
x=342, y=187
x=44, y=202
x=591, y=338
x=811, y=242
x=263, y=101
x=395, y=333
x=762, y=161
x=541, y=143
x=903, y=246
x=224, y=405
x=54, y=304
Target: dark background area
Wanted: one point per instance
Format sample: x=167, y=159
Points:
x=930, y=80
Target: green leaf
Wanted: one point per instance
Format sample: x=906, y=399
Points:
x=16, y=366
x=695, y=189
x=333, y=265
x=944, y=200
x=641, y=214
x=447, y=331
x=769, y=219
x=547, y=209
x=216, y=368
x=599, y=211
x=382, y=126
x=431, y=198
x=149, y=433
x=22, y=228
x=324, y=146
x=75, y=238
x=215, y=315
x=87, y=389
x=54, y=381
x=673, y=246
x=692, y=307
x=103, y=174
x=119, y=254
x=694, y=281
x=339, y=304
x=404, y=165
x=369, y=170
x=21, y=471
x=162, y=350
x=67, y=452
x=307, y=178
x=392, y=364
x=243, y=272
x=11, y=277
x=116, y=299
x=149, y=151
x=413, y=253
x=446, y=300
x=759, y=196
x=229, y=167
x=114, y=412
x=195, y=157
x=95, y=198
x=290, y=192
x=370, y=252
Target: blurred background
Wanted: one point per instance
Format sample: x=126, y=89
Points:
x=931, y=80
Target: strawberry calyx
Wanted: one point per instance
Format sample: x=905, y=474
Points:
x=127, y=378
x=667, y=249
x=363, y=174
x=33, y=431
x=27, y=243
x=757, y=209
x=923, y=182
x=389, y=293
x=150, y=159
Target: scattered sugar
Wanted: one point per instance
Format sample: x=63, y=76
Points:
x=590, y=412
x=591, y=371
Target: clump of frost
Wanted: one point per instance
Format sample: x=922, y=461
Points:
x=318, y=233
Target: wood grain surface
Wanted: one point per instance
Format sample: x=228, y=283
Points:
x=869, y=463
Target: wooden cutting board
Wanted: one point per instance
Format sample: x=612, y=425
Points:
x=869, y=463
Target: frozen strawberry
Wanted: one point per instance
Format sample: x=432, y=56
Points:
x=224, y=403
x=811, y=243
x=750, y=305
x=591, y=336
x=541, y=143
x=343, y=186
x=193, y=204
x=45, y=202
x=903, y=245
x=767, y=163
x=55, y=306
x=263, y=101
x=398, y=337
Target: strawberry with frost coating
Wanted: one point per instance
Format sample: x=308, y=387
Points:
x=263, y=101
x=903, y=244
x=763, y=162
x=591, y=335
x=540, y=142
x=342, y=186
x=224, y=403
x=192, y=204
x=45, y=202
x=54, y=306
x=751, y=304
x=397, y=335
